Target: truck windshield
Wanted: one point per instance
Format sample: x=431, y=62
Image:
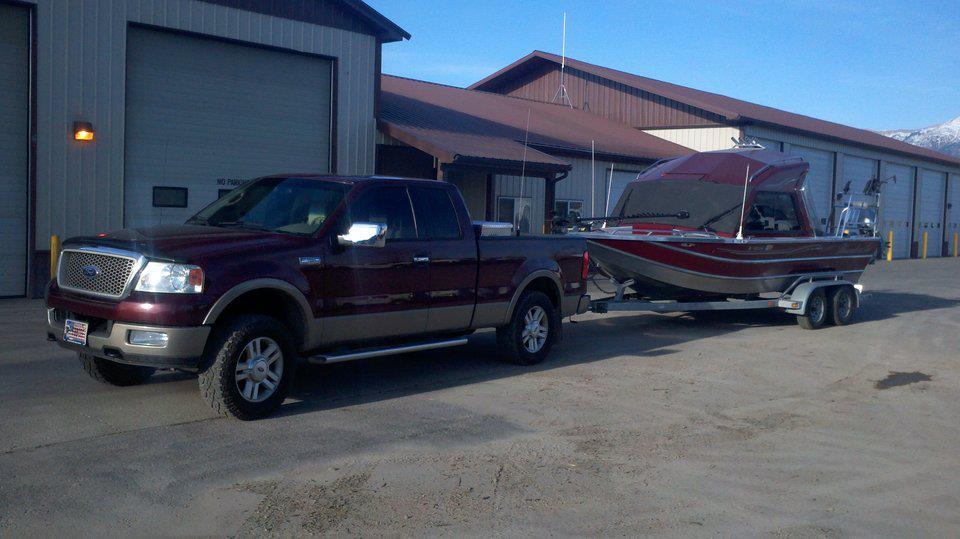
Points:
x=289, y=205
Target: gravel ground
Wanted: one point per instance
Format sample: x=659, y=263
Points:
x=721, y=424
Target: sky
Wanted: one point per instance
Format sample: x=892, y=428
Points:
x=873, y=64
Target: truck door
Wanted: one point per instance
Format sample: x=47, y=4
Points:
x=453, y=259
x=376, y=292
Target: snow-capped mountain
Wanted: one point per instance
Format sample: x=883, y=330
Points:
x=943, y=138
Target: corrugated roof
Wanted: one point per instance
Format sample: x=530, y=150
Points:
x=734, y=110
x=459, y=125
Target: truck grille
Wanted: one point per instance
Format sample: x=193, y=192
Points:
x=97, y=273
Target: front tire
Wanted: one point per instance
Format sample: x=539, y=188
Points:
x=113, y=373
x=532, y=330
x=251, y=360
x=816, y=312
x=843, y=302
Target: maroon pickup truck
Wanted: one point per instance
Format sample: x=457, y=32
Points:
x=315, y=268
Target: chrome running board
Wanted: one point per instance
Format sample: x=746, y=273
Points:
x=377, y=352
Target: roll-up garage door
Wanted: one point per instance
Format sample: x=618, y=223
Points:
x=14, y=135
x=930, y=219
x=819, y=180
x=203, y=116
x=620, y=180
x=897, y=208
x=953, y=214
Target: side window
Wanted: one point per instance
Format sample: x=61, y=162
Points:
x=772, y=212
x=436, y=215
x=386, y=205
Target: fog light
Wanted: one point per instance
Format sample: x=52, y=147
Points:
x=139, y=337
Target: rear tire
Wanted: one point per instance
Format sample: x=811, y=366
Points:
x=533, y=328
x=113, y=373
x=843, y=302
x=816, y=311
x=252, y=360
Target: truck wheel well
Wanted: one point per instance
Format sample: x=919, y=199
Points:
x=548, y=287
x=273, y=303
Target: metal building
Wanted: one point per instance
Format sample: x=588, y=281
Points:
x=920, y=200
x=514, y=160
x=133, y=112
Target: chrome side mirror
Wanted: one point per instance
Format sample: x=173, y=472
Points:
x=364, y=235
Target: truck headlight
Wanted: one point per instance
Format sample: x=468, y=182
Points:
x=170, y=278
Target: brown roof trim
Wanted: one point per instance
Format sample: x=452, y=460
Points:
x=733, y=110
x=351, y=15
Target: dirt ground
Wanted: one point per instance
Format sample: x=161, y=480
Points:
x=725, y=424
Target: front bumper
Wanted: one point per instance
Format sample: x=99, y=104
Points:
x=109, y=340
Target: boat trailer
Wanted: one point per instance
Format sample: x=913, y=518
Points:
x=814, y=298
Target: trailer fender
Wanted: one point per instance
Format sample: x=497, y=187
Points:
x=796, y=301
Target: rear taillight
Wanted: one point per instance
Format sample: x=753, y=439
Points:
x=586, y=265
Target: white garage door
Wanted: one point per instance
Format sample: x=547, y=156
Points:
x=897, y=208
x=932, y=191
x=203, y=116
x=819, y=180
x=953, y=214
x=14, y=134
x=617, y=186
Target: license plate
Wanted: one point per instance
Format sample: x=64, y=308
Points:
x=75, y=331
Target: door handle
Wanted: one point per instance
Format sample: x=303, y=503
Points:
x=421, y=259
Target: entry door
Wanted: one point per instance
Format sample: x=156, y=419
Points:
x=14, y=135
x=374, y=292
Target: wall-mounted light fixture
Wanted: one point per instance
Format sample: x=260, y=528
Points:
x=83, y=131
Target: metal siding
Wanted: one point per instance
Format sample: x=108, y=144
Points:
x=819, y=180
x=81, y=48
x=577, y=184
x=930, y=217
x=204, y=114
x=701, y=139
x=896, y=207
x=953, y=215
x=14, y=137
x=607, y=98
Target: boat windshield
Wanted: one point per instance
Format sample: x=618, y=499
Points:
x=712, y=206
x=287, y=205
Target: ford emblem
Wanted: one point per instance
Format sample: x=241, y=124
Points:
x=90, y=271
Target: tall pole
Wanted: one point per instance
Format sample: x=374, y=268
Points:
x=593, y=179
x=743, y=205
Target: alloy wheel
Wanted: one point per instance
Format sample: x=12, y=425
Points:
x=259, y=369
x=535, y=329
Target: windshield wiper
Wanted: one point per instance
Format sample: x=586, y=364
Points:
x=717, y=217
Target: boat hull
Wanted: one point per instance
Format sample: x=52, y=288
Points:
x=673, y=267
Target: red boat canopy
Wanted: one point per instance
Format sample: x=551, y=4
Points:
x=709, y=188
x=725, y=166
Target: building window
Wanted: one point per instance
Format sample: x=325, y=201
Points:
x=518, y=211
x=169, y=197
x=568, y=209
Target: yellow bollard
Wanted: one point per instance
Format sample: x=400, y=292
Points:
x=54, y=254
x=924, y=255
x=889, y=246
x=955, y=234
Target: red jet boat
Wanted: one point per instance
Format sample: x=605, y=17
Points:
x=732, y=223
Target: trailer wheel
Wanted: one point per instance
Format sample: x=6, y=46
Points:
x=816, y=311
x=842, y=304
x=532, y=330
